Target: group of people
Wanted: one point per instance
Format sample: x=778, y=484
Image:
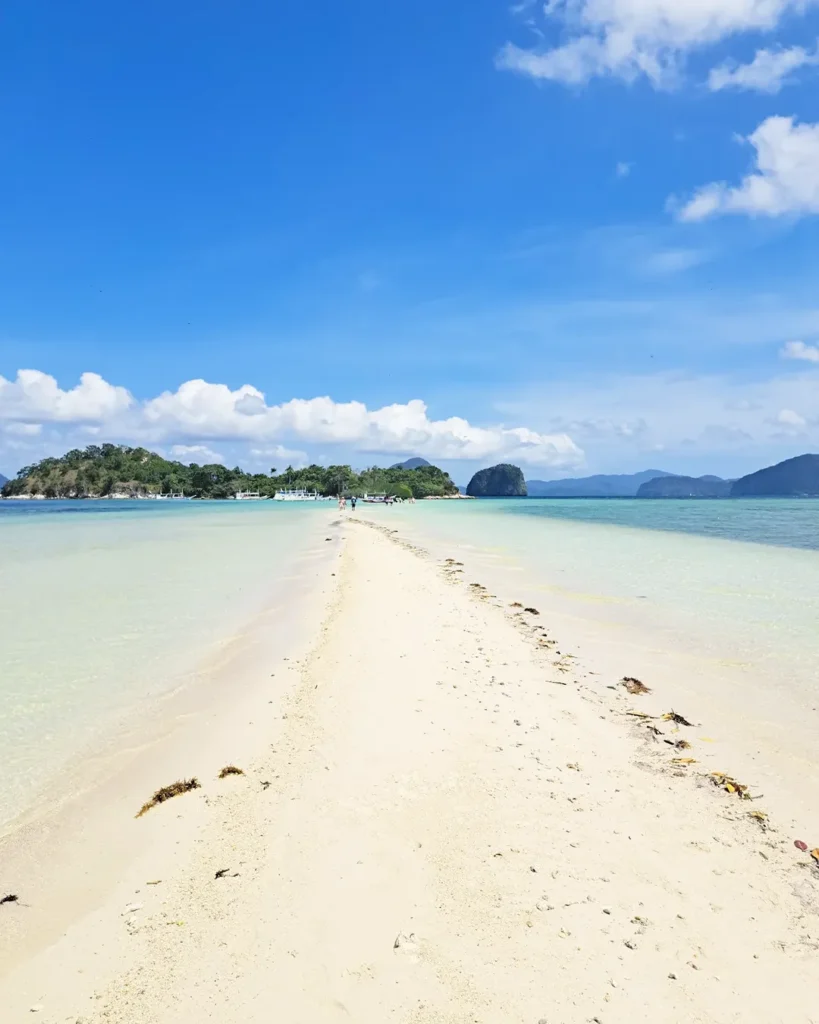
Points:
x=389, y=500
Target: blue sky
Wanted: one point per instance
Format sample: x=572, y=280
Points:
x=582, y=234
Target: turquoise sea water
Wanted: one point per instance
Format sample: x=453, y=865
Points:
x=734, y=581
x=104, y=605
x=775, y=521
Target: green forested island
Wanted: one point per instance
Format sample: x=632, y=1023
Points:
x=101, y=471
x=503, y=481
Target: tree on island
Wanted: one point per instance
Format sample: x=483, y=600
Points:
x=100, y=470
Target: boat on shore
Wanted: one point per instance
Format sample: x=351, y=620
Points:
x=250, y=496
x=297, y=495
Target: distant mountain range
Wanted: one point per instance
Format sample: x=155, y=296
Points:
x=621, y=485
x=794, y=478
x=685, y=487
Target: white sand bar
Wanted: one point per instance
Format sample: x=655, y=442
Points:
x=461, y=825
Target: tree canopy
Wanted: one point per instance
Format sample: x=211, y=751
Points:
x=102, y=470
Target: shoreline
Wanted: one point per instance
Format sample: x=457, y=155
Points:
x=103, y=615
x=756, y=715
x=137, y=753
x=477, y=798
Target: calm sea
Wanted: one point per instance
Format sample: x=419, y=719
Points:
x=104, y=605
x=792, y=523
x=734, y=581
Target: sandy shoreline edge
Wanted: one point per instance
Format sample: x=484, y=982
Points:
x=74, y=842
x=460, y=824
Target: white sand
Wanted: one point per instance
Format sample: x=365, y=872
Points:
x=461, y=826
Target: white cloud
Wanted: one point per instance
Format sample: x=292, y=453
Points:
x=623, y=169
x=767, y=72
x=786, y=180
x=198, y=453
x=212, y=411
x=789, y=418
x=36, y=397
x=199, y=412
x=799, y=350
x=630, y=38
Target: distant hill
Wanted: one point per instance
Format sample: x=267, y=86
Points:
x=117, y=470
x=685, y=487
x=3, y=479
x=794, y=478
x=416, y=463
x=617, y=486
x=503, y=481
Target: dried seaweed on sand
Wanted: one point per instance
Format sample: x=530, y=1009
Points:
x=634, y=685
x=672, y=716
x=230, y=769
x=167, y=792
x=730, y=785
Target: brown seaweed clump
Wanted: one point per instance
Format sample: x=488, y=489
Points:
x=634, y=686
x=230, y=769
x=532, y=611
x=723, y=781
x=167, y=792
x=672, y=716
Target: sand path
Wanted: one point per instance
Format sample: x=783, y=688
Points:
x=451, y=834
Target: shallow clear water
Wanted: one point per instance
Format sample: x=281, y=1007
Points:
x=106, y=604
x=781, y=522
x=737, y=582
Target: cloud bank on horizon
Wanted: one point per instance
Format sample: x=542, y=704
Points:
x=664, y=417
x=199, y=412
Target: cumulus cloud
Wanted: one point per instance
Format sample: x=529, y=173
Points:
x=213, y=411
x=632, y=38
x=786, y=179
x=767, y=72
x=199, y=412
x=799, y=350
x=36, y=397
